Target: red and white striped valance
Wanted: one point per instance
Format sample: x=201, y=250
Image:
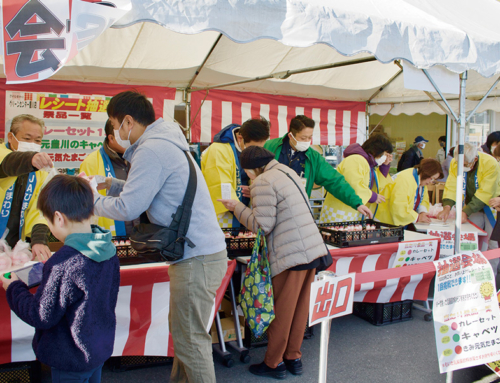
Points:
x=337, y=122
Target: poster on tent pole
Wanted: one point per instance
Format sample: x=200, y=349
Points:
x=40, y=36
x=466, y=313
x=74, y=123
x=468, y=242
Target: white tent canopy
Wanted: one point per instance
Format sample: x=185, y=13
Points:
x=289, y=35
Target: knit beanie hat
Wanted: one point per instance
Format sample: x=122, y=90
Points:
x=255, y=157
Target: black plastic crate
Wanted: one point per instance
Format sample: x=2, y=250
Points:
x=128, y=256
x=239, y=245
x=380, y=314
x=21, y=372
x=383, y=233
x=124, y=363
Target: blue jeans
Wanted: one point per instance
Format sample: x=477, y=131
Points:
x=92, y=376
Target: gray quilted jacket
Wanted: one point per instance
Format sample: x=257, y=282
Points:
x=280, y=211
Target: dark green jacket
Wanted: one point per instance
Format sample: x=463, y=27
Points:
x=321, y=173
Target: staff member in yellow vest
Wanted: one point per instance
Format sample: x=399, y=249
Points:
x=220, y=163
x=359, y=170
x=481, y=178
x=108, y=161
x=294, y=150
x=21, y=178
x=407, y=198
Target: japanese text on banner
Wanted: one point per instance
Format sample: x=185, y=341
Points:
x=468, y=242
x=74, y=123
x=466, y=313
x=413, y=253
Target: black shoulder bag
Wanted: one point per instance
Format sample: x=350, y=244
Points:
x=326, y=260
x=159, y=243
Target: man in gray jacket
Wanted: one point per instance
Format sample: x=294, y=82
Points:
x=156, y=184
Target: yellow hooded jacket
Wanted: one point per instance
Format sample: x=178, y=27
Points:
x=32, y=214
x=93, y=165
x=487, y=178
x=398, y=208
x=356, y=172
x=218, y=166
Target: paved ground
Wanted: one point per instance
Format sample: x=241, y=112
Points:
x=358, y=352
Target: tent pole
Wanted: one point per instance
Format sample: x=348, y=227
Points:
x=188, y=112
x=482, y=100
x=436, y=102
x=204, y=62
x=285, y=74
x=460, y=170
x=441, y=94
x=448, y=136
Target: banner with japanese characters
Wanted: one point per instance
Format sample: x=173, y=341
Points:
x=413, y=253
x=466, y=313
x=40, y=36
x=74, y=123
x=468, y=242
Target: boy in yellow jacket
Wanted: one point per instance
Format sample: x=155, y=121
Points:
x=107, y=161
x=220, y=164
x=21, y=178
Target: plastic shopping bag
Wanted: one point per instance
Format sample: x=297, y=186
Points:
x=256, y=296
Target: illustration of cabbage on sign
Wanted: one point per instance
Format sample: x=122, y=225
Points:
x=40, y=36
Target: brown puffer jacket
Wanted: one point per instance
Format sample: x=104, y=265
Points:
x=280, y=211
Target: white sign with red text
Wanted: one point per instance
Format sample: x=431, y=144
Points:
x=330, y=298
x=466, y=313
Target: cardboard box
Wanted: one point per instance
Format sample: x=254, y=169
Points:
x=227, y=325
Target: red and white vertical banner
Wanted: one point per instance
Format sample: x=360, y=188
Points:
x=466, y=313
x=40, y=36
x=337, y=122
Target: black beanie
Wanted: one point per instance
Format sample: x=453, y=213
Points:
x=255, y=157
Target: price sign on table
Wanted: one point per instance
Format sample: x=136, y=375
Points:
x=412, y=253
x=468, y=242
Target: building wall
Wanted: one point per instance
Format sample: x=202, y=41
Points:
x=406, y=128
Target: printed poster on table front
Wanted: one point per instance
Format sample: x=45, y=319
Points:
x=414, y=253
x=466, y=313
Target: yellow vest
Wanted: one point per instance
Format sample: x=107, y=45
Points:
x=487, y=179
x=32, y=215
x=356, y=172
x=400, y=200
x=218, y=166
x=93, y=165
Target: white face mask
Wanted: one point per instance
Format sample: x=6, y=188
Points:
x=23, y=146
x=301, y=146
x=467, y=169
x=380, y=161
x=125, y=144
x=423, y=146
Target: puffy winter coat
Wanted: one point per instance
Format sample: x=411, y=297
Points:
x=279, y=209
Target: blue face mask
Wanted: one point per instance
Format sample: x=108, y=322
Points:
x=125, y=144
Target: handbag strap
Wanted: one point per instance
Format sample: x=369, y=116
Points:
x=305, y=199
x=187, y=202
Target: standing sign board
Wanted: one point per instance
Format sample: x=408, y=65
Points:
x=466, y=313
x=331, y=297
